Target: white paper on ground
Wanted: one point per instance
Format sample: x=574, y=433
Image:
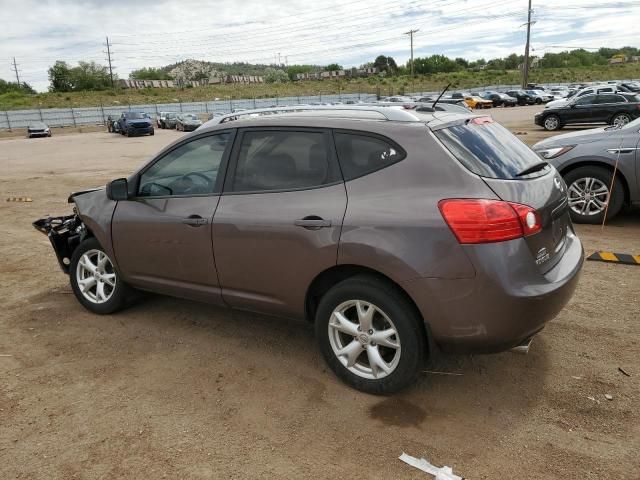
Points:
x=444, y=473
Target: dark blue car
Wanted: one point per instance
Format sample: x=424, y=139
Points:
x=135, y=123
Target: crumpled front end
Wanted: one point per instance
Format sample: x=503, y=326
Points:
x=65, y=234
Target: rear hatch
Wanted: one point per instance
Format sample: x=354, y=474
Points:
x=516, y=174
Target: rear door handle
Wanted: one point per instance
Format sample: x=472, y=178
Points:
x=195, y=221
x=312, y=222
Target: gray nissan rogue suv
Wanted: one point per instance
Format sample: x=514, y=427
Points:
x=395, y=232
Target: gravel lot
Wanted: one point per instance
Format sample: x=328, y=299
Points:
x=175, y=389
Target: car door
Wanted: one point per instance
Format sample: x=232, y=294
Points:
x=162, y=236
x=580, y=110
x=606, y=104
x=279, y=220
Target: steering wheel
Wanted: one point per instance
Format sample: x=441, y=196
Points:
x=198, y=174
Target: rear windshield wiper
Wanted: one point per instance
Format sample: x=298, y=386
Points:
x=533, y=168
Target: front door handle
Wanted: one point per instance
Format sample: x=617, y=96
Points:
x=195, y=221
x=312, y=222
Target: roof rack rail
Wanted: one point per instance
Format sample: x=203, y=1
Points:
x=393, y=112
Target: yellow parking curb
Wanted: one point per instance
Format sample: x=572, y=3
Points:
x=611, y=257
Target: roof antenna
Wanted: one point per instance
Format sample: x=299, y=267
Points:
x=440, y=96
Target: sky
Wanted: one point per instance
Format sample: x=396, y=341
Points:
x=147, y=33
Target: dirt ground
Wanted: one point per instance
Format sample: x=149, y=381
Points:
x=174, y=389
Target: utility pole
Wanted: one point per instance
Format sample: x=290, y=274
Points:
x=279, y=59
x=15, y=69
x=108, y=52
x=525, y=66
x=410, y=33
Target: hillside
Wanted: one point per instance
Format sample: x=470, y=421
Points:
x=382, y=86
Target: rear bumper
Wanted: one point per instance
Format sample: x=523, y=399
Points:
x=507, y=302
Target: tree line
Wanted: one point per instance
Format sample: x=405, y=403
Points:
x=93, y=76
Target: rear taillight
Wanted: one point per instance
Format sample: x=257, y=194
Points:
x=485, y=221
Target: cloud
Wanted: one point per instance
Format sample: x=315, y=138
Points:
x=350, y=32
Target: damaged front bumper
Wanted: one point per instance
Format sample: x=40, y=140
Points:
x=65, y=234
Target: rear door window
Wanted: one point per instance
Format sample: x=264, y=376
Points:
x=363, y=154
x=490, y=150
x=271, y=160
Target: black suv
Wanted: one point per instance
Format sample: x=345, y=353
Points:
x=522, y=97
x=611, y=108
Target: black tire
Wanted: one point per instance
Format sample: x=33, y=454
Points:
x=551, y=123
x=118, y=294
x=538, y=101
x=152, y=132
x=604, y=176
x=406, y=320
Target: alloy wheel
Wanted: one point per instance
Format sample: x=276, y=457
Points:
x=621, y=120
x=551, y=123
x=364, y=339
x=588, y=196
x=96, y=276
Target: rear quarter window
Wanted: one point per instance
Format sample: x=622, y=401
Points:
x=361, y=154
x=490, y=150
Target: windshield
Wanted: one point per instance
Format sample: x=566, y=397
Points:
x=135, y=115
x=488, y=149
x=190, y=117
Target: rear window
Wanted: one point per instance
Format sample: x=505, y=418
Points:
x=490, y=150
x=363, y=154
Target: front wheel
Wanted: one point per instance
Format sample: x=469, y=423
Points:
x=370, y=335
x=588, y=194
x=552, y=122
x=538, y=101
x=94, y=280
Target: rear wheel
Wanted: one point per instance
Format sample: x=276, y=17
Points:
x=370, y=335
x=620, y=119
x=94, y=280
x=552, y=122
x=588, y=194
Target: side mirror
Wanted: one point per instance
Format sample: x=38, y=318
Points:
x=118, y=189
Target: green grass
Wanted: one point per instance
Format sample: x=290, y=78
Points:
x=382, y=86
